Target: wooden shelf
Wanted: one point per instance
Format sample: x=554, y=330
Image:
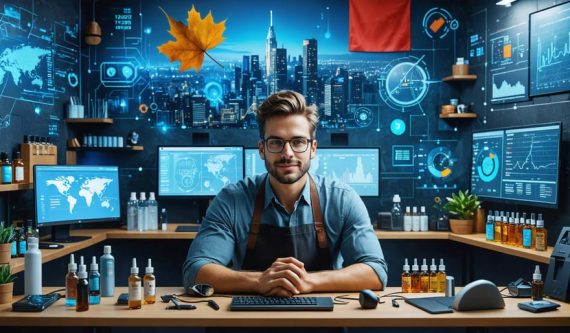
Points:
x=469, y=115
x=452, y=78
x=15, y=187
x=89, y=120
x=383, y=234
x=129, y=148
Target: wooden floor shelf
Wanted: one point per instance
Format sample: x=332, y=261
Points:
x=15, y=187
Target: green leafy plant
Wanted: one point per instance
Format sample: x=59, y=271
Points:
x=462, y=205
x=6, y=234
x=6, y=274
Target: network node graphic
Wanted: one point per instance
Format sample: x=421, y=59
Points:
x=404, y=83
x=363, y=117
x=437, y=23
x=440, y=162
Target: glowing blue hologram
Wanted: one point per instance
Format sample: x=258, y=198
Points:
x=111, y=72
x=72, y=79
x=363, y=114
x=398, y=126
x=127, y=71
x=5, y=121
x=440, y=162
x=437, y=23
x=37, y=110
x=111, y=76
x=402, y=155
x=404, y=82
x=148, y=30
x=214, y=92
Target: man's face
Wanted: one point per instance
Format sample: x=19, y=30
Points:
x=287, y=166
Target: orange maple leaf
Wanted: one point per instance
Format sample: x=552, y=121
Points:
x=192, y=41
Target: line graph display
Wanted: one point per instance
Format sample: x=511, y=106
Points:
x=531, y=164
x=508, y=66
x=550, y=50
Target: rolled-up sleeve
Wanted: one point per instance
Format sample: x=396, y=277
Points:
x=215, y=241
x=359, y=242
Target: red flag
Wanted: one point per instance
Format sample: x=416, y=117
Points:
x=379, y=25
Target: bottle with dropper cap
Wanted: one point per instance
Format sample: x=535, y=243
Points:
x=135, y=294
x=149, y=281
x=433, y=282
x=537, y=286
x=424, y=277
x=416, y=286
x=406, y=278
x=82, y=303
x=71, y=282
x=94, y=283
x=441, y=276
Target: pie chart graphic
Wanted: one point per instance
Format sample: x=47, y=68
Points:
x=488, y=165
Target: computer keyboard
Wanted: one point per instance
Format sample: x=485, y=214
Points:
x=263, y=303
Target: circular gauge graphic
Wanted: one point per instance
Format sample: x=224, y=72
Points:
x=213, y=92
x=437, y=23
x=404, y=83
x=488, y=165
x=363, y=117
x=72, y=79
x=440, y=162
x=398, y=126
x=186, y=173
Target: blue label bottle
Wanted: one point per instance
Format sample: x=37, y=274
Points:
x=94, y=283
x=527, y=238
x=490, y=231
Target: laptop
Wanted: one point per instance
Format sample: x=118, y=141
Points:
x=433, y=305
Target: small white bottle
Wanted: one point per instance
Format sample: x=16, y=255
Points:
x=423, y=219
x=415, y=219
x=33, y=268
x=152, y=212
x=164, y=220
x=142, y=222
x=132, y=208
x=408, y=219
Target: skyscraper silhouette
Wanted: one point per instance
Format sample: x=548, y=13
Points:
x=270, y=43
x=310, y=78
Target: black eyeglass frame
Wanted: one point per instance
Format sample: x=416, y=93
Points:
x=309, y=142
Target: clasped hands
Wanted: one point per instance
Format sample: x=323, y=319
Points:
x=285, y=278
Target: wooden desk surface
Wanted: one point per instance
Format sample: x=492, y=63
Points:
x=350, y=315
x=100, y=235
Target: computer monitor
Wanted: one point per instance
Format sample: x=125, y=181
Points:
x=357, y=167
x=197, y=171
x=74, y=194
x=519, y=164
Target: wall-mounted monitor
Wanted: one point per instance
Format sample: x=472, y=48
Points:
x=72, y=194
x=198, y=171
x=519, y=164
x=357, y=167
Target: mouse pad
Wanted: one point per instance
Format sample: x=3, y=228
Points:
x=187, y=228
x=433, y=305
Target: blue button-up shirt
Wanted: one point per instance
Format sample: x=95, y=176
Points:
x=224, y=232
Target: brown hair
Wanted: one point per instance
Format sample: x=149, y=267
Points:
x=285, y=103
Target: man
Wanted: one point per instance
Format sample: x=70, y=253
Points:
x=286, y=232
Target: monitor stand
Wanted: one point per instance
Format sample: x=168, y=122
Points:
x=60, y=234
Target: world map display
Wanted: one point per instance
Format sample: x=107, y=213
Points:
x=23, y=63
x=73, y=189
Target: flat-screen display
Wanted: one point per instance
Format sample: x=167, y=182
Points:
x=68, y=194
x=357, y=167
x=198, y=171
x=519, y=164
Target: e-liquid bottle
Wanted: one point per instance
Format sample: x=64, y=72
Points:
x=18, y=169
x=135, y=294
x=406, y=278
x=71, y=282
x=527, y=235
x=512, y=230
x=505, y=229
x=149, y=281
x=541, y=242
x=94, y=283
x=433, y=282
x=424, y=277
x=498, y=229
x=82, y=303
x=107, y=272
x=441, y=276
x=537, y=286
x=416, y=281
x=6, y=167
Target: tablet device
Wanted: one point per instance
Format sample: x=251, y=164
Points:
x=538, y=306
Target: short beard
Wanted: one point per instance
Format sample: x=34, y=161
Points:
x=286, y=179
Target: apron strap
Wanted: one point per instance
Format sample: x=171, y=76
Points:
x=256, y=218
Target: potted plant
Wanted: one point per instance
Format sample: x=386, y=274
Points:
x=6, y=235
x=462, y=205
x=6, y=284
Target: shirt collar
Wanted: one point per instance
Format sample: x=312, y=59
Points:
x=270, y=195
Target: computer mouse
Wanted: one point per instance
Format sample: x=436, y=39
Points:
x=368, y=299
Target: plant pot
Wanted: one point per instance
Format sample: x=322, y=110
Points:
x=6, y=291
x=5, y=253
x=461, y=226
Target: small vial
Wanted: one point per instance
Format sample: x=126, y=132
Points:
x=135, y=294
x=406, y=278
x=82, y=303
x=71, y=282
x=433, y=281
x=441, y=276
x=537, y=286
x=149, y=281
x=498, y=229
x=94, y=283
x=424, y=277
x=541, y=238
x=416, y=281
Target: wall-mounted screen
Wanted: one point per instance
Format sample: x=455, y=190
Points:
x=198, y=171
x=550, y=50
x=357, y=167
x=517, y=164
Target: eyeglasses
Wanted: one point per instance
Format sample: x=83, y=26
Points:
x=298, y=145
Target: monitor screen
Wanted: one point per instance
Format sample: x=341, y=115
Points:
x=517, y=164
x=198, y=171
x=66, y=194
x=357, y=167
